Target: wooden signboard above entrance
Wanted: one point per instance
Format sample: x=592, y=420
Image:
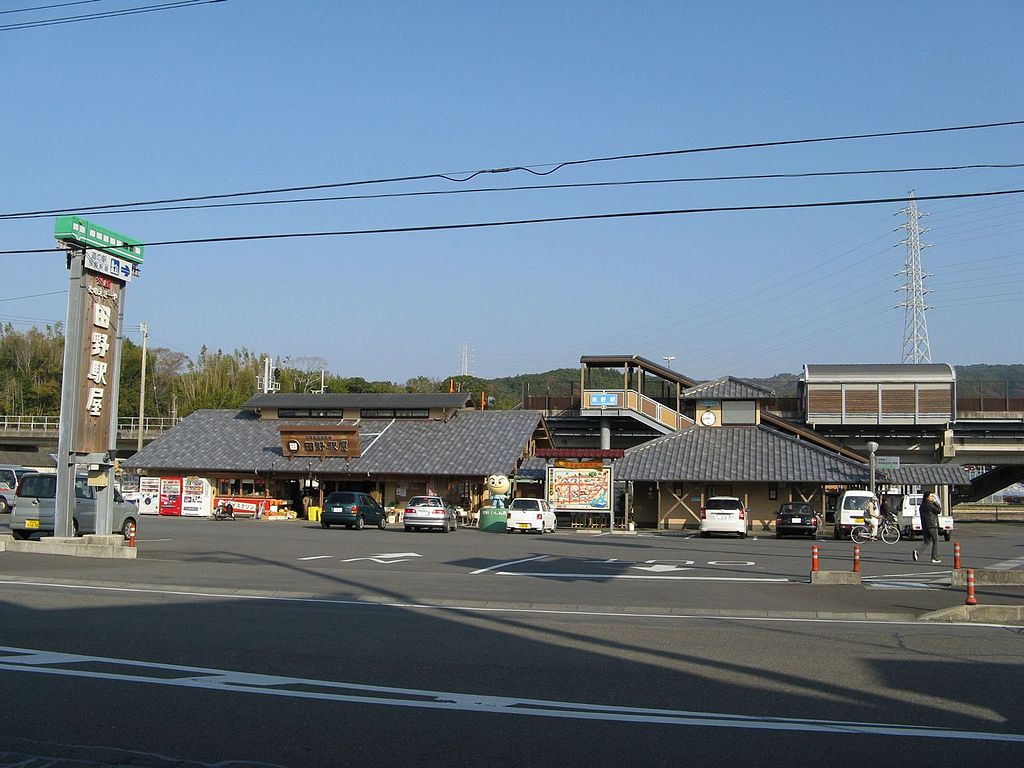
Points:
x=320, y=442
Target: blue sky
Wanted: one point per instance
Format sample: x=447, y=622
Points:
x=254, y=94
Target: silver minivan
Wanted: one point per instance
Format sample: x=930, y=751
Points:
x=37, y=501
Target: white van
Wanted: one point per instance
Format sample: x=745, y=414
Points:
x=910, y=518
x=850, y=512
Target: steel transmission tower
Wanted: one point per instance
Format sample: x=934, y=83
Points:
x=464, y=360
x=915, y=327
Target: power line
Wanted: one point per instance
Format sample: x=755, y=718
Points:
x=47, y=7
x=469, y=175
x=105, y=15
x=545, y=220
x=33, y=295
x=520, y=188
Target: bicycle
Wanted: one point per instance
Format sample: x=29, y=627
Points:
x=888, y=531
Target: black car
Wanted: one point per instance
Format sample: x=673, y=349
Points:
x=350, y=508
x=796, y=517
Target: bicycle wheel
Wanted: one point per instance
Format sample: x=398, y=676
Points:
x=860, y=534
x=890, y=534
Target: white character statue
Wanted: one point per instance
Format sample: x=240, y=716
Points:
x=499, y=486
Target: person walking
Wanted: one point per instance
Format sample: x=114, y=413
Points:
x=930, y=510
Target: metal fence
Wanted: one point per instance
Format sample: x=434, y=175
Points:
x=125, y=426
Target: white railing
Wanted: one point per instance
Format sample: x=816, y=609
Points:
x=125, y=426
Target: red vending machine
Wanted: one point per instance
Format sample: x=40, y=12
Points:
x=170, y=496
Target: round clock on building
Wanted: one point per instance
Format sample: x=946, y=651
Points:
x=707, y=418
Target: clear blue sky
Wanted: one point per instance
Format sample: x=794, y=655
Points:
x=253, y=94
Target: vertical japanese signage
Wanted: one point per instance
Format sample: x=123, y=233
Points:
x=101, y=307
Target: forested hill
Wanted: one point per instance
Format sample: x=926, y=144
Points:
x=31, y=363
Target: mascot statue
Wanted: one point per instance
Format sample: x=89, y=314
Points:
x=499, y=487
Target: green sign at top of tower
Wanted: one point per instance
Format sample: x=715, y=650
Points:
x=79, y=230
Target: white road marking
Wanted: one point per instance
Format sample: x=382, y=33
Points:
x=31, y=661
x=503, y=565
x=1008, y=565
x=638, y=576
x=973, y=625
x=398, y=554
x=731, y=562
x=149, y=541
x=317, y=557
x=657, y=568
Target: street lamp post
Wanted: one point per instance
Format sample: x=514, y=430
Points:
x=872, y=447
x=668, y=359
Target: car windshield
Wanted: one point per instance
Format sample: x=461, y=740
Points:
x=531, y=504
x=856, y=502
x=723, y=504
x=38, y=486
x=340, y=497
x=425, y=501
x=796, y=509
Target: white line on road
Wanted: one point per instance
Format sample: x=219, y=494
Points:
x=1008, y=565
x=27, y=660
x=500, y=609
x=317, y=557
x=637, y=576
x=505, y=565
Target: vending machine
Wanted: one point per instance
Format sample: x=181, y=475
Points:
x=196, y=497
x=170, y=496
x=149, y=495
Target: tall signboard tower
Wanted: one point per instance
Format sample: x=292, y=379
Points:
x=100, y=263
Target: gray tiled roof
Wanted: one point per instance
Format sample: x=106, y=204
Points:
x=736, y=454
x=28, y=459
x=470, y=443
x=335, y=400
x=925, y=474
x=726, y=388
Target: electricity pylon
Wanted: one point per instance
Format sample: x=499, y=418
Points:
x=916, y=348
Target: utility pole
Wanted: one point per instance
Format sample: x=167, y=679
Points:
x=916, y=348
x=142, y=390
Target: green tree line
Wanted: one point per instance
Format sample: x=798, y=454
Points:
x=31, y=366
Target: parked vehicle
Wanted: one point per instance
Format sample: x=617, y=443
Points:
x=37, y=502
x=796, y=517
x=353, y=510
x=224, y=511
x=850, y=512
x=723, y=514
x=530, y=515
x=10, y=474
x=910, y=518
x=430, y=512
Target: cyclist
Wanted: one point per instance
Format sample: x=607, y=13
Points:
x=871, y=517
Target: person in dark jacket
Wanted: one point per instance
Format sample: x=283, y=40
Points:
x=930, y=511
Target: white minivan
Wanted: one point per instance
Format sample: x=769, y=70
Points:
x=723, y=514
x=850, y=512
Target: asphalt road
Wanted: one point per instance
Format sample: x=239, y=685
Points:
x=285, y=644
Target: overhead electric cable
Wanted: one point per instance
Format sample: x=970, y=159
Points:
x=529, y=168
x=545, y=220
x=33, y=295
x=47, y=7
x=520, y=188
x=105, y=15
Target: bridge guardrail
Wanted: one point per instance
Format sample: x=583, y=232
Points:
x=125, y=426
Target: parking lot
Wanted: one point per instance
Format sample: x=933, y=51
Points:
x=657, y=569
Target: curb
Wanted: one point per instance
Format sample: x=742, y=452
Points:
x=978, y=614
x=983, y=578
x=107, y=547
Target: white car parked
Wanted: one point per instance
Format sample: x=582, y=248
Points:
x=530, y=515
x=723, y=514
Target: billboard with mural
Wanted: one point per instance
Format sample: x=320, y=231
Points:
x=582, y=488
